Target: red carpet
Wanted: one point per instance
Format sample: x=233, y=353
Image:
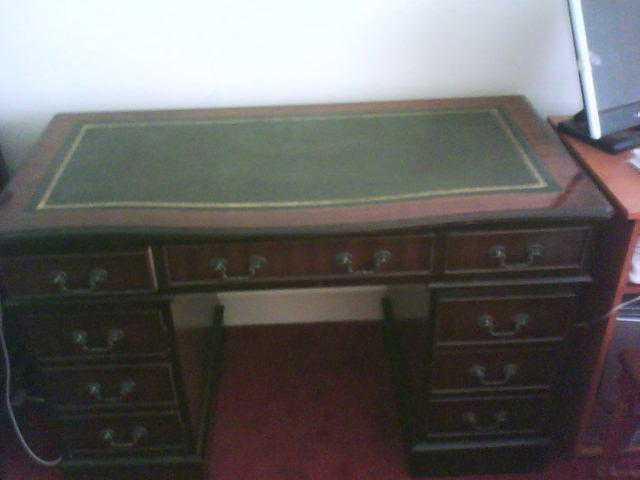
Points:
x=301, y=402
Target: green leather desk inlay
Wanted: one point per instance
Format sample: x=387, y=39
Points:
x=293, y=161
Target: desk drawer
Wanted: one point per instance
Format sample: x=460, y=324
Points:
x=497, y=369
x=111, y=386
x=488, y=417
x=467, y=316
x=92, y=332
x=78, y=274
x=125, y=435
x=517, y=250
x=269, y=260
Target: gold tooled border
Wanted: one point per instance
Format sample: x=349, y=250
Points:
x=538, y=184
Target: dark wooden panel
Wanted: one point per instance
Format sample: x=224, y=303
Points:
x=150, y=434
x=78, y=274
x=200, y=358
x=466, y=457
x=169, y=470
x=350, y=256
x=111, y=386
x=497, y=369
x=517, y=250
x=473, y=316
x=488, y=418
x=94, y=332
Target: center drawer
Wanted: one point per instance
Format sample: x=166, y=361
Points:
x=111, y=386
x=268, y=260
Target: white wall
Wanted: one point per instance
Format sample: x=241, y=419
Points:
x=76, y=55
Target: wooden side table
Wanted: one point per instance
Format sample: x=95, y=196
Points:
x=624, y=421
x=621, y=182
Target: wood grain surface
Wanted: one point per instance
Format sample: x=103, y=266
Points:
x=614, y=173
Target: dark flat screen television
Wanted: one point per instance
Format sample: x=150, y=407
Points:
x=606, y=36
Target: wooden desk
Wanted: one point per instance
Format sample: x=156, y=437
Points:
x=621, y=182
x=474, y=199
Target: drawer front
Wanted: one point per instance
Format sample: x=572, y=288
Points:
x=269, y=260
x=469, y=316
x=125, y=435
x=78, y=274
x=111, y=387
x=517, y=250
x=488, y=417
x=95, y=333
x=497, y=369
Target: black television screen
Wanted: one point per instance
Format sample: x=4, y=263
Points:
x=607, y=40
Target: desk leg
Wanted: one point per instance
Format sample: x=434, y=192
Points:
x=399, y=370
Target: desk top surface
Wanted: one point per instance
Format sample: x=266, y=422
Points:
x=313, y=168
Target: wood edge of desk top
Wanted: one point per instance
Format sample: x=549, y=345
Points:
x=292, y=109
x=619, y=180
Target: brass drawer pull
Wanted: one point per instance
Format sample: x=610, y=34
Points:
x=345, y=260
x=81, y=338
x=126, y=388
x=499, y=252
x=499, y=419
x=520, y=321
x=480, y=373
x=256, y=262
x=138, y=433
x=97, y=276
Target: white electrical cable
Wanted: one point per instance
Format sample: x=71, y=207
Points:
x=16, y=427
x=622, y=305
